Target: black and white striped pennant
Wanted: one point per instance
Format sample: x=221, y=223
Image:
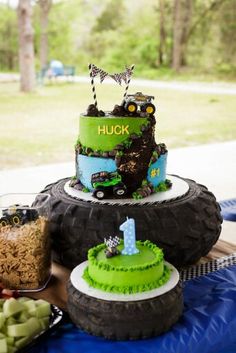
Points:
x=94, y=70
x=103, y=74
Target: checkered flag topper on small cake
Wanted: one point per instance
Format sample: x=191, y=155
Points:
x=112, y=242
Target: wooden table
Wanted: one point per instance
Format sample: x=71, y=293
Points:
x=56, y=293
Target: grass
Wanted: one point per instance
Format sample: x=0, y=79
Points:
x=42, y=127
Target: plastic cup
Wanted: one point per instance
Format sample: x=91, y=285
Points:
x=25, y=254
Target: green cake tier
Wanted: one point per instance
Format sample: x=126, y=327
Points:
x=105, y=133
x=127, y=273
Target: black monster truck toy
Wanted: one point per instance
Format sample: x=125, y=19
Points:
x=105, y=183
x=17, y=215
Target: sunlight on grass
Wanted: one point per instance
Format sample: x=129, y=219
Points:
x=42, y=127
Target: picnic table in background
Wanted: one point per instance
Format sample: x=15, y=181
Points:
x=54, y=70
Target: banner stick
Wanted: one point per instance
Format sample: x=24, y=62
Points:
x=127, y=86
x=93, y=86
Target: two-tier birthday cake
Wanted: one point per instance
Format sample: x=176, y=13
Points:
x=116, y=152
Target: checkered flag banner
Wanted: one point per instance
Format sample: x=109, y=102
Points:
x=208, y=267
x=123, y=76
x=103, y=75
x=118, y=77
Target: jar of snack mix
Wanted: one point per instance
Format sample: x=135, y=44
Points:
x=25, y=254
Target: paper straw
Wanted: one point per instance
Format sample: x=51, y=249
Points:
x=93, y=86
x=127, y=86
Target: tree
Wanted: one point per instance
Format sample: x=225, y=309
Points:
x=162, y=32
x=26, y=46
x=185, y=28
x=182, y=20
x=227, y=37
x=45, y=6
x=111, y=18
x=8, y=38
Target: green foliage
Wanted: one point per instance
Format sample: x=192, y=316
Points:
x=8, y=38
x=111, y=17
x=114, y=33
x=132, y=43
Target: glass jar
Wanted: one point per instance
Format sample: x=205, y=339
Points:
x=25, y=254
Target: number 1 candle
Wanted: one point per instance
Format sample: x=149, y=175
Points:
x=128, y=228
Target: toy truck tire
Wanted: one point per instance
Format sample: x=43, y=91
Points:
x=148, y=108
x=119, y=190
x=16, y=219
x=99, y=193
x=131, y=107
x=4, y=221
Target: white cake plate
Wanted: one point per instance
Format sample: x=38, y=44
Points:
x=179, y=188
x=81, y=285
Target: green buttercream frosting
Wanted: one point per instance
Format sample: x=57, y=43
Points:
x=127, y=273
x=104, y=133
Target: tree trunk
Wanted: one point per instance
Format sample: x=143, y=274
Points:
x=177, y=36
x=162, y=32
x=45, y=6
x=26, y=46
x=187, y=16
x=182, y=19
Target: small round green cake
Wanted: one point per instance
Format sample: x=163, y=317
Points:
x=127, y=273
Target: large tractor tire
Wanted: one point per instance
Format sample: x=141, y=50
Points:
x=185, y=228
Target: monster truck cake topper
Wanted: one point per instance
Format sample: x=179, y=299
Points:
x=105, y=183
